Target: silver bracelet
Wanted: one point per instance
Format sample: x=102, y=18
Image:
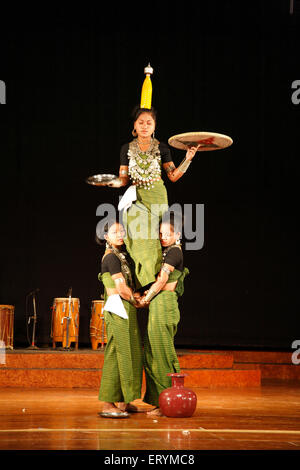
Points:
x=119, y=280
x=184, y=165
x=150, y=294
x=165, y=269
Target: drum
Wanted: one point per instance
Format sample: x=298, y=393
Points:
x=7, y=325
x=97, y=324
x=65, y=321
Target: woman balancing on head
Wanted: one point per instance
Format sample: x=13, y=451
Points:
x=141, y=161
x=160, y=356
x=121, y=379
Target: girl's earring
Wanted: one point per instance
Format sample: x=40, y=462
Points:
x=134, y=133
x=107, y=244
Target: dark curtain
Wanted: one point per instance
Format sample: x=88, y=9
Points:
x=72, y=77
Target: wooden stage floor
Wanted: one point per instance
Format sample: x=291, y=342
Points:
x=258, y=418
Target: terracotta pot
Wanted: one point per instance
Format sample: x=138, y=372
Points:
x=177, y=401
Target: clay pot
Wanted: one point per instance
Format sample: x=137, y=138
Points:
x=177, y=401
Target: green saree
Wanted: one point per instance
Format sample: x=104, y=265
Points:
x=141, y=221
x=121, y=379
x=159, y=351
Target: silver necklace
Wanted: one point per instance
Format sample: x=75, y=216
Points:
x=144, y=166
x=125, y=268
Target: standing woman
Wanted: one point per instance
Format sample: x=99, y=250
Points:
x=159, y=352
x=121, y=380
x=141, y=161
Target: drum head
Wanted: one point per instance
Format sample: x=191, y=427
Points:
x=65, y=299
x=104, y=180
x=206, y=140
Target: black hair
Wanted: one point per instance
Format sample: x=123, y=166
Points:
x=174, y=219
x=103, y=230
x=137, y=111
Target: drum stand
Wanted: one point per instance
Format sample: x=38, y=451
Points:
x=33, y=346
x=68, y=319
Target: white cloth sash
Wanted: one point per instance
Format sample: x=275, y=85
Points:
x=115, y=305
x=128, y=198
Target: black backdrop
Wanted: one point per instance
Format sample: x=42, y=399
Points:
x=73, y=75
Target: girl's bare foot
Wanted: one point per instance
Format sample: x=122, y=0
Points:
x=128, y=407
x=109, y=410
x=155, y=412
x=109, y=407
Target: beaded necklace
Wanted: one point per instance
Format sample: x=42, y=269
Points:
x=125, y=265
x=144, y=167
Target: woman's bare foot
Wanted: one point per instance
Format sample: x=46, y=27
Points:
x=155, y=412
x=128, y=407
x=109, y=410
x=109, y=407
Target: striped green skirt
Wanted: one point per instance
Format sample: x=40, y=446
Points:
x=159, y=352
x=141, y=221
x=122, y=371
